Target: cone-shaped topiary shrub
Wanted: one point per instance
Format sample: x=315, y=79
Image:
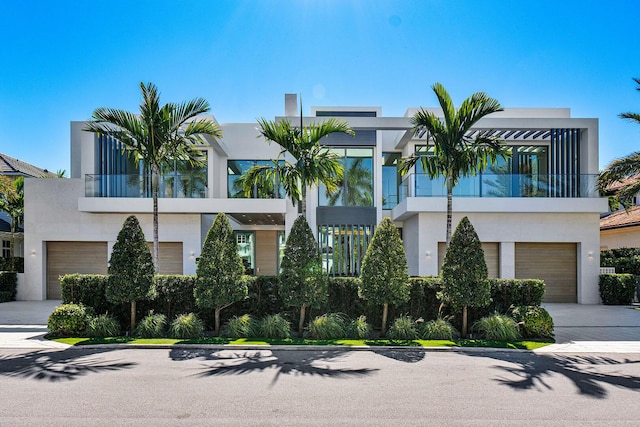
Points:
x=131, y=269
x=464, y=272
x=302, y=281
x=384, y=279
x=219, y=281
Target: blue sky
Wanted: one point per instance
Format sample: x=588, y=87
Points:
x=61, y=60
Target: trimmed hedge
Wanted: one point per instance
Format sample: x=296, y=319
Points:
x=86, y=289
x=624, y=260
x=514, y=292
x=8, y=286
x=174, y=295
x=617, y=289
x=15, y=264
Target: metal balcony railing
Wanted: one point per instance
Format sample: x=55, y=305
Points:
x=502, y=185
x=170, y=186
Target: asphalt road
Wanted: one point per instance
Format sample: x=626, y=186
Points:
x=82, y=387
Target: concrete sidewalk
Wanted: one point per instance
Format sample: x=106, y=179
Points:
x=579, y=328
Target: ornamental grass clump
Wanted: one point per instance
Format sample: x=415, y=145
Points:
x=498, y=327
x=274, y=326
x=152, y=326
x=327, y=326
x=438, y=329
x=241, y=327
x=359, y=328
x=403, y=328
x=68, y=319
x=186, y=326
x=103, y=325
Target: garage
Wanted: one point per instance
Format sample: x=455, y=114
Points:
x=170, y=257
x=555, y=263
x=73, y=257
x=491, y=257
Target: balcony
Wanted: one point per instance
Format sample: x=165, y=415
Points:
x=503, y=185
x=191, y=186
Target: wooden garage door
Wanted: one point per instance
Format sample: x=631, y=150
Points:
x=267, y=252
x=555, y=263
x=170, y=257
x=73, y=257
x=491, y=257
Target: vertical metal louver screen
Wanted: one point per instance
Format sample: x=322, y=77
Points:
x=565, y=163
x=343, y=247
x=111, y=166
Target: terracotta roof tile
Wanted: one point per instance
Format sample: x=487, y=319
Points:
x=621, y=218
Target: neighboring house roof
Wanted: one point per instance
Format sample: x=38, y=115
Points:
x=12, y=166
x=621, y=219
x=613, y=187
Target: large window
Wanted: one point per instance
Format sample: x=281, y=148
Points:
x=236, y=168
x=391, y=179
x=356, y=187
x=246, y=249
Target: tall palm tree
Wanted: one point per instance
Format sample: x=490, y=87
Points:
x=156, y=136
x=312, y=162
x=624, y=171
x=456, y=154
x=12, y=202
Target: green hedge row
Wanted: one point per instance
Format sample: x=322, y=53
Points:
x=174, y=295
x=617, y=289
x=8, y=286
x=624, y=260
x=15, y=264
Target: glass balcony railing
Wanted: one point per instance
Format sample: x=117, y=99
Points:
x=170, y=186
x=502, y=185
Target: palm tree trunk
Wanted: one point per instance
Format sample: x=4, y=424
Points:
x=12, y=243
x=155, y=175
x=217, y=316
x=385, y=312
x=133, y=317
x=464, y=321
x=303, y=202
x=449, y=209
x=301, y=322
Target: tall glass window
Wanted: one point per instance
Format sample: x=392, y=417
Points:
x=236, y=168
x=356, y=187
x=185, y=179
x=390, y=180
x=246, y=249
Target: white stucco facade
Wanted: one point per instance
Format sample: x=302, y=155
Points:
x=65, y=211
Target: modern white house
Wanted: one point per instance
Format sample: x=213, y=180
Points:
x=536, y=213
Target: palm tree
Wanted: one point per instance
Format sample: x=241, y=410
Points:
x=358, y=188
x=623, y=171
x=12, y=202
x=157, y=135
x=312, y=162
x=456, y=154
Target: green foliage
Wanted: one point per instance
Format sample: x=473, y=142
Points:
x=327, y=326
x=534, y=321
x=219, y=272
x=243, y=326
x=274, y=326
x=86, y=289
x=302, y=281
x=438, y=329
x=506, y=293
x=619, y=253
x=624, y=260
x=8, y=286
x=131, y=269
x=186, y=326
x=359, y=328
x=68, y=319
x=617, y=289
x=403, y=328
x=464, y=270
x=498, y=327
x=174, y=294
x=152, y=326
x=103, y=325
x=384, y=278
x=15, y=264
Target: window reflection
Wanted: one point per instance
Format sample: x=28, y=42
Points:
x=356, y=187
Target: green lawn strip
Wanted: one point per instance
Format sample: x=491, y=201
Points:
x=522, y=345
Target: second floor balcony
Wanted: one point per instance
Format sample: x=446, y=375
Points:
x=502, y=185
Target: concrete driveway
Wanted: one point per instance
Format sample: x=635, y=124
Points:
x=579, y=328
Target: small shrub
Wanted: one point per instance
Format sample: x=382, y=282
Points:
x=186, y=326
x=68, y=319
x=534, y=321
x=152, y=326
x=241, y=327
x=359, y=328
x=327, y=326
x=403, y=328
x=103, y=325
x=438, y=329
x=274, y=326
x=617, y=289
x=8, y=286
x=498, y=327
